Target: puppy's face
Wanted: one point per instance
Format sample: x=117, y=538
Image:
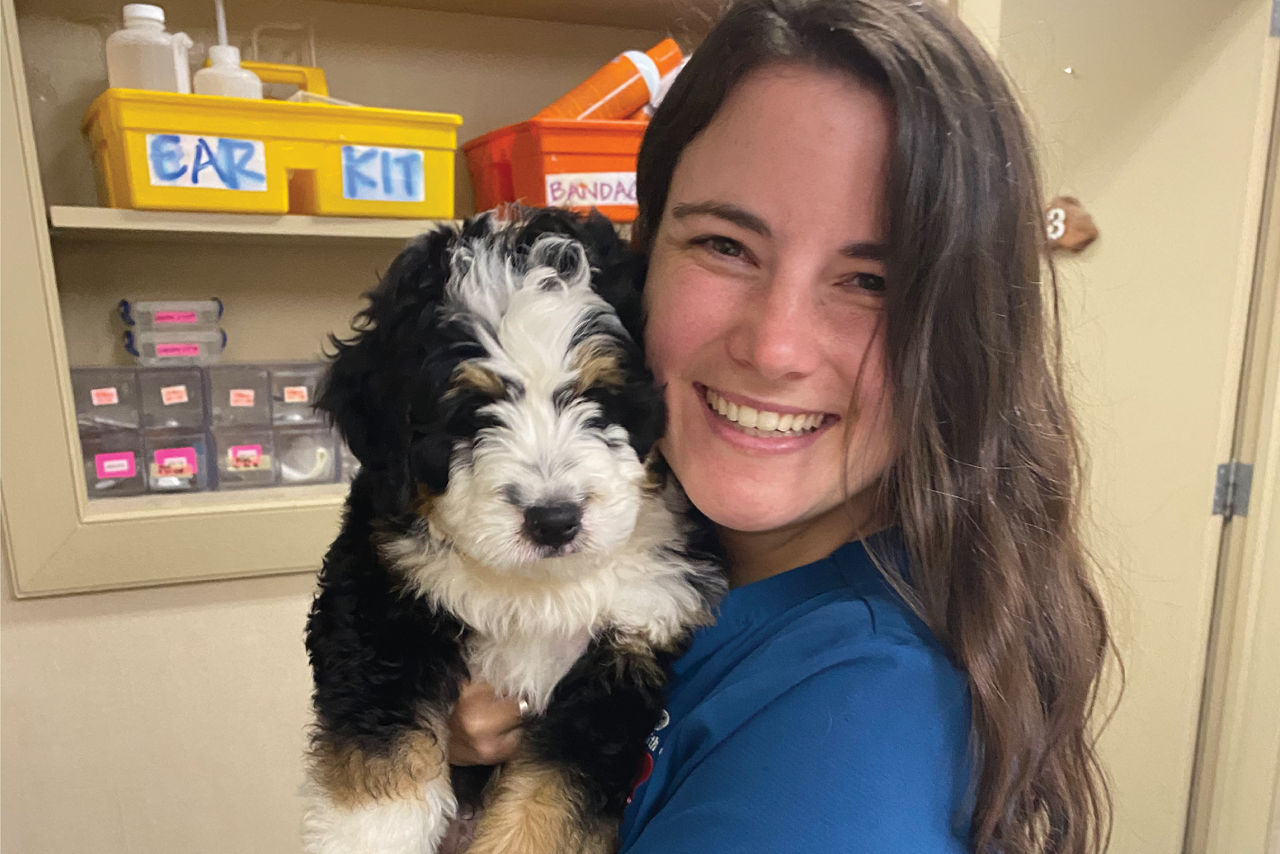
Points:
x=527, y=406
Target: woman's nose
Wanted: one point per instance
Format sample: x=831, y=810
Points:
x=777, y=332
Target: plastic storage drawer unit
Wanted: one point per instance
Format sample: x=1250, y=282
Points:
x=170, y=315
x=239, y=394
x=106, y=398
x=172, y=398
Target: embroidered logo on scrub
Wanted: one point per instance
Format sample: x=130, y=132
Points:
x=646, y=762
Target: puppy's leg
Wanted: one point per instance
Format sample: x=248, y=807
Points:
x=566, y=790
x=390, y=796
x=538, y=807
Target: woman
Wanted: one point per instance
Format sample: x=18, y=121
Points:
x=850, y=308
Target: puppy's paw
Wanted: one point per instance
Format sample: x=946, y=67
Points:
x=396, y=826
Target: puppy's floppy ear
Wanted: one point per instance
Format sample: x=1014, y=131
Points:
x=377, y=376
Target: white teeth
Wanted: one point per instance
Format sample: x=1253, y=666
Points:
x=764, y=421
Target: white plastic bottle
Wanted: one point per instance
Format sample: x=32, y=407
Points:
x=224, y=76
x=144, y=56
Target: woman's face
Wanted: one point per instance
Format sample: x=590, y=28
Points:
x=766, y=307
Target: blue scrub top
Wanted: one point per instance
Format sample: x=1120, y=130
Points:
x=817, y=714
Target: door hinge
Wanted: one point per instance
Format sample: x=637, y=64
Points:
x=1231, y=491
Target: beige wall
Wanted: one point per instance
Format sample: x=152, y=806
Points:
x=155, y=721
x=172, y=719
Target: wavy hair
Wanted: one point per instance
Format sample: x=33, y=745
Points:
x=987, y=481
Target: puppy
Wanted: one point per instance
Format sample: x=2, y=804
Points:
x=504, y=527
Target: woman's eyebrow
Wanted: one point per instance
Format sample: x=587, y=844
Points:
x=865, y=250
x=726, y=211
x=868, y=250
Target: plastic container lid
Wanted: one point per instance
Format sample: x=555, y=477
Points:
x=143, y=12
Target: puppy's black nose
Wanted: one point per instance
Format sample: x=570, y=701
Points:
x=553, y=524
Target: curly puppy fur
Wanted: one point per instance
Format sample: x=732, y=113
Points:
x=509, y=523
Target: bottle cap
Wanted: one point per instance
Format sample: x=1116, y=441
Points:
x=143, y=12
x=224, y=54
x=666, y=56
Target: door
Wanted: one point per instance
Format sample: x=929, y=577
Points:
x=1156, y=115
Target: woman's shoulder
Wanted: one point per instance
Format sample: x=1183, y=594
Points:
x=841, y=612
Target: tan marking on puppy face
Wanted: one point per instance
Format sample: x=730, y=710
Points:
x=469, y=374
x=655, y=472
x=596, y=362
x=533, y=810
x=425, y=505
x=352, y=777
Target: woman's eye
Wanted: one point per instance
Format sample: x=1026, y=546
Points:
x=865, y=282
x=721, y=245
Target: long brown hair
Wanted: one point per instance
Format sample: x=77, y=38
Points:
x=987, y=482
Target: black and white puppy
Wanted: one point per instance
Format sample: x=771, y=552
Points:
x=508, y=524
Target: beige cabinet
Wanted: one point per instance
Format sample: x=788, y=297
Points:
x=286, y=281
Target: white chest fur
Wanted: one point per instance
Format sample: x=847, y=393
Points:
x=525, y=666
x=528, y=628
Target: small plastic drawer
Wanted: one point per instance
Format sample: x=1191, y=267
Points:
x=172, y=398
x=113, y=463
x=106, y=398
x=176, y=461
x=171, y=315
x=239, y=395
x=246, y=457
x=306, y=454
x=170, y=349
x=294, y=389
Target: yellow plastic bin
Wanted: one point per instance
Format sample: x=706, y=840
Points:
x=169, y=151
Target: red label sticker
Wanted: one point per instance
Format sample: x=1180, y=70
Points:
x=242, y=397
x=167, y=350
x=104, y=396
x=172, y=394
x=244, y=456
x=295, y=394
x=165, y=317
x=176, y=462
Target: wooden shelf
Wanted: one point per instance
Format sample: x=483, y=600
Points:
x=115, y=224
x=680, y=17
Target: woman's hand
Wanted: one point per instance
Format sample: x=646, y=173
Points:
x=484, y=729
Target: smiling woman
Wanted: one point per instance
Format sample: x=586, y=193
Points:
x=847, y=311
x=766, y=291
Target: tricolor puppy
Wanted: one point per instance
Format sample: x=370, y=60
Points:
x=504, y=527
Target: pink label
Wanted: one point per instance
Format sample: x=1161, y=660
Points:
x=175, y=317
x=104, y=396
x=242, y=397
x=244, y=456
x=118, y=464
x=176, y=462
x=177, y=350
x=172, y=394
x=295, y=394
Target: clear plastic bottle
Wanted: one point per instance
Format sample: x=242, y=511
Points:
x=225, y=76
x=144, y=56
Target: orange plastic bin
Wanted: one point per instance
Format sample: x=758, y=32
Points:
x=558, y=163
